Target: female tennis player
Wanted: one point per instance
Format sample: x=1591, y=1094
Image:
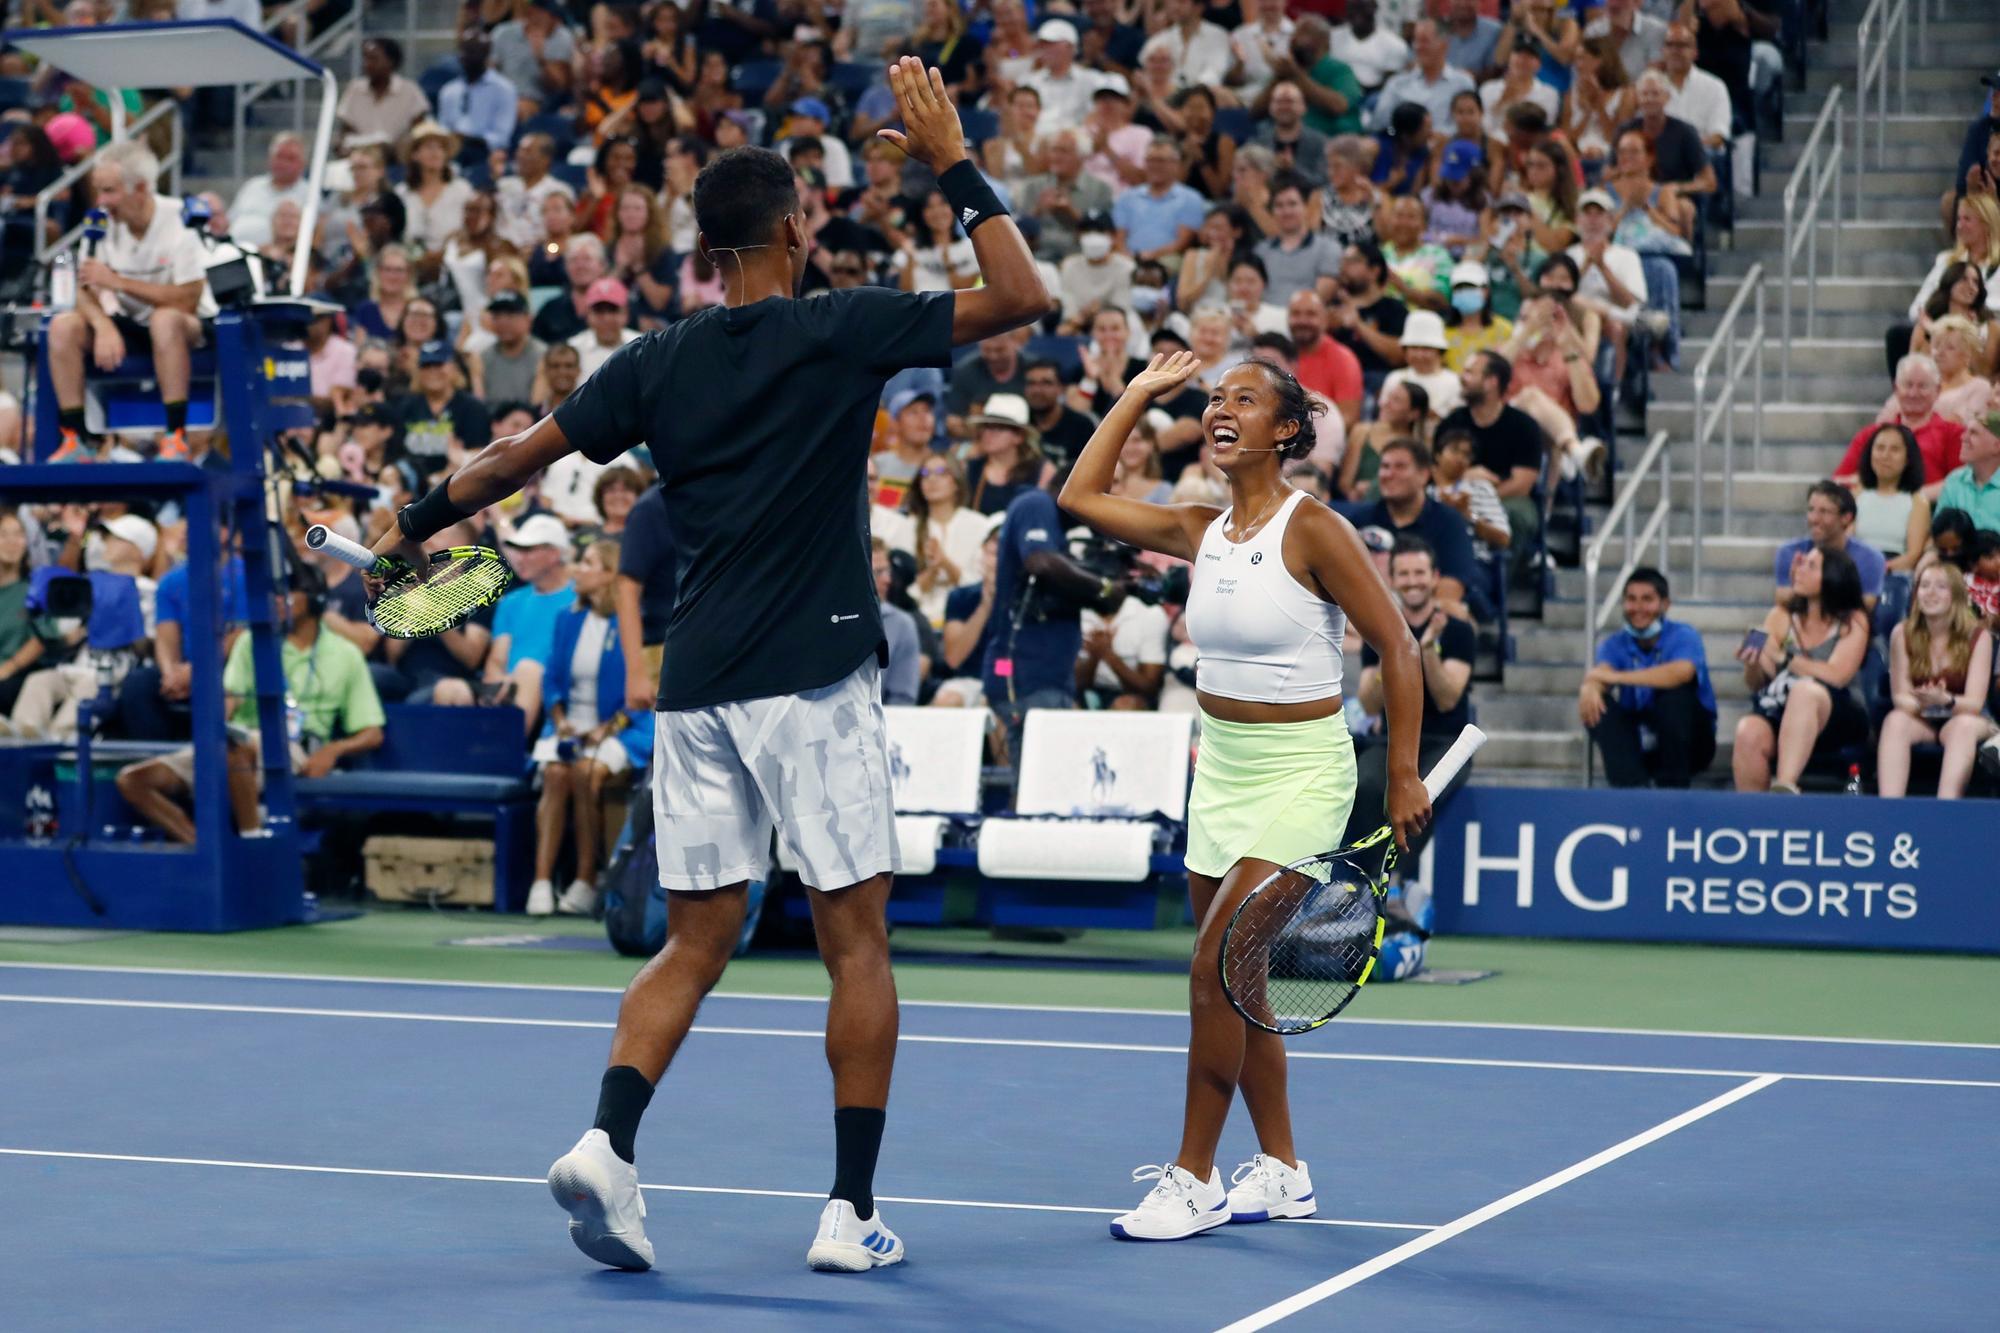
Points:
x=1275, y=576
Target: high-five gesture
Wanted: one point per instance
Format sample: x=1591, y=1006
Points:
x=1163, y=375
x=931, y=132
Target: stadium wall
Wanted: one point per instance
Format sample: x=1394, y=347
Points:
x=1718, y=868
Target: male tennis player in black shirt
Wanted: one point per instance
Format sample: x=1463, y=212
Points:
x=759, y=414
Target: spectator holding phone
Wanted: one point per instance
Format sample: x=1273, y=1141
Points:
x=1647, y=702
x=1940, y=670
x=1802, y=662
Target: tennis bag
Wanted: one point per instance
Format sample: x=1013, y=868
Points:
x=635, y=906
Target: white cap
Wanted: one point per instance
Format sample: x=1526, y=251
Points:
x=1057, y=30
x=132, y=528
x=1004, y=409
x=1600, y=198
x=1115, y=83
x=1424, y=329
x=1469, y=273
x=540, y=530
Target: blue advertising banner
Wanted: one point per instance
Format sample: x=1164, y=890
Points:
x=1716, y=867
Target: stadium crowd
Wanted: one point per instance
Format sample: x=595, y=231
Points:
x=1465, y=232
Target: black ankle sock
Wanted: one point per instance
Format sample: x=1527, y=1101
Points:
x=177, y=415
x=621, y=1100
x=857, y=1138
x=71, y=418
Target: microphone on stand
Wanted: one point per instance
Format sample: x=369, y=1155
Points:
x=95, y=224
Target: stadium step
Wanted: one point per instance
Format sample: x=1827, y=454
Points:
x=1783, y=422
x=1887, y=295
x=1860, y=358
x=1895, y=129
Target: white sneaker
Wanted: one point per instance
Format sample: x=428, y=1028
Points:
x=1595, y=458
x=846, y=1244
x=1989, y=756
x=1265, y=1188
x=1179, y=1205
x=541, y=898
x=579, y=899
x=600, y=1192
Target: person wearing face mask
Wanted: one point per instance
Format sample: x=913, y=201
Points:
x=1094, y=277
x=1647, y=702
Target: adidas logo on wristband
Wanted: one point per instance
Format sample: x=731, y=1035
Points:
x=967, y=216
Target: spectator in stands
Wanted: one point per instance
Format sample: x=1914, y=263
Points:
x=381, y=104
x=1124, y=658
x=1977, y=233
x=569, y=314
x=20, y=647
x=326, y=679
x=1473, y=497
x=1601, y=98
x=1938, y=437
x=1349, y=200
x=995, y=367
x=608, y=303
x=1471, y=40
x=1006, y=451
x=1956, y=345
x=1830, y=517
x=1891, y=513
x=1550, y=179
x=471, y=250
x=1638, y=37
x=613, y=496
x=1423, y=344
x=1429, y=82
x=1610, y=281
x=1095, y=276
x=1325, y=364
x=1679, y=157
x=1471, y=327
x=1251, y=315
x=1940, y=673
x=1402, y=411
x=589, y=740
x=912, y=434
x=520, y=195
x=331, y=358
x=1296, y=258
x=1647, y=702
x=944, y=535
x=1507, y=443
x=1405, y=151
x=1062, y=430
x=968, y=628
x=1552, y=36
x=481, y=104
x=559, y=375
x=1371, y=52
x=1117, y=146
x=1650, y=218
x=525, y=619
x=434, y=195
x=903, y=677
x=507, y=368
x=1455, y=201
x=1553, y=352
x=1364, y=315
x=1802, y=664
x=535, y=52
x=1446, y=646
x=1158, y=218
x=1419, y=270
x=1200, y=49
x=1982, y=584
x=442, y=425
x=116, y=551
x=1062, y=196
x=1204, y=274
x=1699, y=98
x=284, y=178
x=1961, y=292
x=144, y=292
x=1403, y=478
x=1974, y=487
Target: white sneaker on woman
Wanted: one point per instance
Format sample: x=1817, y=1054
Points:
x=1265, y=1188
x=1178, y=1207
x=541, y=898
x=579, y=899
x=600, y=1192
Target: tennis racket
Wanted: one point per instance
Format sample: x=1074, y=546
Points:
x=462, y=581
x=1301, y=945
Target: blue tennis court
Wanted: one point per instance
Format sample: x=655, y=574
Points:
x=188, y=1150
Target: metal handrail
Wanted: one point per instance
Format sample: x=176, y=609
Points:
x=165, y=109
x=1707, y=413
x=1595, y=613
x=1883, y=20
x=347, y=27
x=1823, y=170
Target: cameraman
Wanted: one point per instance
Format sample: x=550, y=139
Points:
x=1124, y=658
x=1039, y=593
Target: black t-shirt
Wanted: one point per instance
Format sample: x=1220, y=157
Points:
x=1387, y=314
x=427, y=661
x=558, y=321
x=972, y=383
x=646, y=554
x=1457, y=642
x=427, y=435
x=1447, y=531
x=759, y=420
x=1062, y=442
x=1513, y=440
x=960, y=604
x=1679, y=154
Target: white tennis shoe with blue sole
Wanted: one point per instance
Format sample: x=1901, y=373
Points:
x=600, y=1192
x=1265, y=1190
x=846, y=1244
x=1178, y=1207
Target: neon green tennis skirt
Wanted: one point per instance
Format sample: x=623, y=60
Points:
x=1276, y=791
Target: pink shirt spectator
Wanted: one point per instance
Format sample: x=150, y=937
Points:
x=332, y=366
x=1128, y=142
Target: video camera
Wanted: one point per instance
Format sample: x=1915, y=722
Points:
x=1110, y=558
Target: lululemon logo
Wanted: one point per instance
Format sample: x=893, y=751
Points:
x=1256, y=557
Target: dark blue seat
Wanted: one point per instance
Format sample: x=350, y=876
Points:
x=556, y=125
x=440, y=72
x=979, y=125
x=854, y=78
x=753, y=78
x=1065, y=351
x=1234, y=122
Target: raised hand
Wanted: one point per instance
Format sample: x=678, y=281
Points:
x=931, y=132
x=1163, y=375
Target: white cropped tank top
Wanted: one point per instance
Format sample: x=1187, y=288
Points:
x=1260, y=635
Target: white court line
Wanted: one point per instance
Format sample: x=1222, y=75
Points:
x=1114, y=1011
x=1361, y=1272
x=665, y=1189
x=1032, y=1043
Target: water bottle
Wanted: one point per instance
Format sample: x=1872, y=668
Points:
x=41, y=814
x=1853, y=787
x=62, y=281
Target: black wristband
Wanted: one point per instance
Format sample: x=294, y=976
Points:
x=972, y=200
x=431, y=515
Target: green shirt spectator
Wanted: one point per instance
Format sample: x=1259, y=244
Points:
x=328, y=681
x=1975, y=486
x=1331, y=73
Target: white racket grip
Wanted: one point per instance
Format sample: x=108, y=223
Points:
x=321, y=538
x=1457, y=757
